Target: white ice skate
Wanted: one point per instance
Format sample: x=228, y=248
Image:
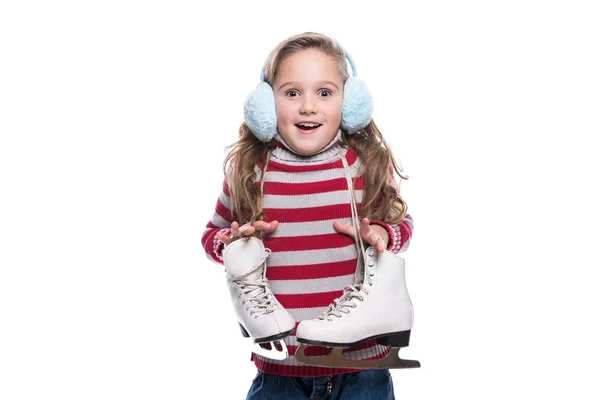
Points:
x=259, y=314
x=378, y=308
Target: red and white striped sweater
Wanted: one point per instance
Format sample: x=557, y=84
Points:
x=310, y=262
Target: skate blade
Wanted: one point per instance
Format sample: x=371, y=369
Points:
x=335, y=359
x=273, y=351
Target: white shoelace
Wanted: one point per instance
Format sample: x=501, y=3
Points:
x=343, y=304
x=260, y=299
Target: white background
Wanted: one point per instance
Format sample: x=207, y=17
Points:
x=114, y=117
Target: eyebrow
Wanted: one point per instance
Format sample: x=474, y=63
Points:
x=293, y=83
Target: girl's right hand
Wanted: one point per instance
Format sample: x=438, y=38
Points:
x=238, y=232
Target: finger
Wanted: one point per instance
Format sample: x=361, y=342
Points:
x=380, y=247
x=262, y=226
x=238, y=231
x=223, y=238
x=274, y=224
x=235, y=229
x=247, y=230
x=268, y=227
x=365, y=228
x=343, y=228
x=372, y=238
x=366, y=232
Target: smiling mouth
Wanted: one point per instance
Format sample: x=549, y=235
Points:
x=307, y=126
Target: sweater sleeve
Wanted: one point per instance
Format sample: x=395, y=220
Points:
x=219, y=223
x=400, y=234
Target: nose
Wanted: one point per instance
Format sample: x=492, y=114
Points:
x=308, y=105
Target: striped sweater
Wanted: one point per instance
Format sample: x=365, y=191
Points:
x=310, y=262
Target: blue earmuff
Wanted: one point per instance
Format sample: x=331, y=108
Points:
x=261, y=116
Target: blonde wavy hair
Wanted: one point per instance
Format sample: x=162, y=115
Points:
x=381, y=193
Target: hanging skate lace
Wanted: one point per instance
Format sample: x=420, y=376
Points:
x=259, y=300
x=345, y=303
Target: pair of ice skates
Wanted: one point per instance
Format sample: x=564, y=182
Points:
x=376, y=307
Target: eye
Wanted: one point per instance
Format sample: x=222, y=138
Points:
x=325, y=93
x=292, y=93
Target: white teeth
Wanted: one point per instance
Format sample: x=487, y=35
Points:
x=309, y=125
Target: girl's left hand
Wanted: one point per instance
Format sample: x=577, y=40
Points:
x=375, y=235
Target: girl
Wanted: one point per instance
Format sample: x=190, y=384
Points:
x=286, y=184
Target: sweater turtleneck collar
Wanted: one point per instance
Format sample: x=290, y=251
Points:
x=283, y=151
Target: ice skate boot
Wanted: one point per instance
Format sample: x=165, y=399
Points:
x=378, y=307
x=259, y=314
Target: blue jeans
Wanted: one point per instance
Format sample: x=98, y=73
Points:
x=370, y=384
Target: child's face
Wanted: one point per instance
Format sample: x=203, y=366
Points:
x=308, y=88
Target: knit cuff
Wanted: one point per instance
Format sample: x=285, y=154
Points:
x=393, y=233
x=218, y=245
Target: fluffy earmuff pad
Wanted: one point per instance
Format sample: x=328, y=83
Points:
x=357, y=106
x=259, y=112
